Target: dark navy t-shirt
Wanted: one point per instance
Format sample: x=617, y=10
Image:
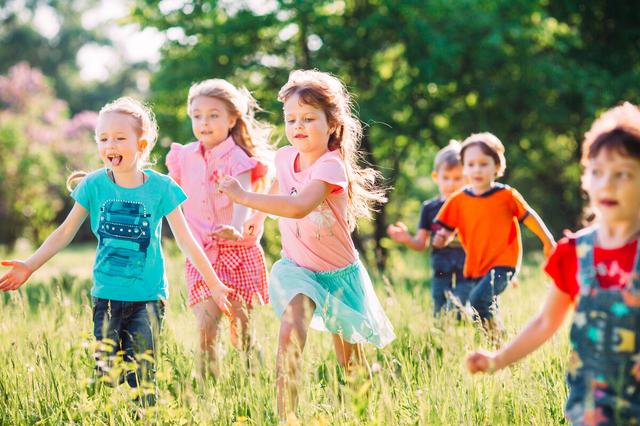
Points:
x=450, y=258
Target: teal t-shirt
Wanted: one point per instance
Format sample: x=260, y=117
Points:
x=127, y=222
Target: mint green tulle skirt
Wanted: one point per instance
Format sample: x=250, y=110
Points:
x=345, y=303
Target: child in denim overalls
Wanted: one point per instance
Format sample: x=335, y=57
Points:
x=598, y=269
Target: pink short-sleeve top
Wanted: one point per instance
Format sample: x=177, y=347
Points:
x=321, y=241
x=197, y=170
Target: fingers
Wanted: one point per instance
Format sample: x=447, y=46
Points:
x=7, y=262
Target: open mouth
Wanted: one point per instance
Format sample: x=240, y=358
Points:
x=114, y=159
x=299, y=136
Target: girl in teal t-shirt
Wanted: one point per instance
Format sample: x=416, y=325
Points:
x=126, y=204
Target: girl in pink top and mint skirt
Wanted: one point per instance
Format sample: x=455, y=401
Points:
x=230, y=142
x=318, y=194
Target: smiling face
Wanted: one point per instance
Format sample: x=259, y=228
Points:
x=612, y=181
x=119, y=141
x=479, y=168
x=210, y=120
x=306, y=126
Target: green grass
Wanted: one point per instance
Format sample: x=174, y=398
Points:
x=46, y=364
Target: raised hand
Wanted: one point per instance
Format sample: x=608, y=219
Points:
x=17, y=275
x=230, y=186
x=398, y=232
x=441, y=238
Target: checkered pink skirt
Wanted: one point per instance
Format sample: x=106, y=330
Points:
x=242, y=268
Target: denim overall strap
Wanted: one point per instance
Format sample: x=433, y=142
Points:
x=586, y=265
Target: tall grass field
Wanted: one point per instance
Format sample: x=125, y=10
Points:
x=47, y=375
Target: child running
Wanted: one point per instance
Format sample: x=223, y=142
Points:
x=126, y=204
x=597, y=272
x=448, y=286
x=486, y=215
x=230, y=141
x=319, y=192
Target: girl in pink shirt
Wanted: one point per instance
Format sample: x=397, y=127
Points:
x=230, y=142
x=319, y=192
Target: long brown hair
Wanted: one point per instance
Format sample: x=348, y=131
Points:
x=326, y=92
x=147, y=128
x=249, y=133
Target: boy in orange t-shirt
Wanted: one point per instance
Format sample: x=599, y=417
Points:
x=486, y=215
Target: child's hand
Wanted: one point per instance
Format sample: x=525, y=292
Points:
x=230, y=186
x=226, y=232
x=219, y=294
x=481, y=361
x=398, y=232
x=441, y=238
x=17, y=276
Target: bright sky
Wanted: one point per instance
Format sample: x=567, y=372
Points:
x=131, y=44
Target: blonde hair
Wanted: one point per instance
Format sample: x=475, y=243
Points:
x=326, y=92
x=147, y=128
x=250, y=134
x=490, y=145
x=448, y=157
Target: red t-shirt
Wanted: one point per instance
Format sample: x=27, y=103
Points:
x=613, y=266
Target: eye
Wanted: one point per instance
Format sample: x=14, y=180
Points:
x=290, y=121
x=308, y=120
x=197, y=116
x=596, y=172
x=214, y=115
x=624, y=175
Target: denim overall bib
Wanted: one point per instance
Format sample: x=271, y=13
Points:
x=604, y=369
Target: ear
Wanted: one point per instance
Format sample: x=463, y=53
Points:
x=142, y=145
x=232, y=122
x=434, y=176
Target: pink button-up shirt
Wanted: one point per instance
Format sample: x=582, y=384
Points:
x=198, y=170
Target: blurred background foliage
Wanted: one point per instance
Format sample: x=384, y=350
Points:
x=535, y=73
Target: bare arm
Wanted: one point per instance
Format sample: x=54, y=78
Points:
x=241, y=212
x=297, y=207
x=537, y=226
x=194, y=252
x=399, y=233
x=538, y=331
x=59, y=239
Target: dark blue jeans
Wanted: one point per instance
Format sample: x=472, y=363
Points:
x=484, y=296
x=447, y=285
x=128, y=329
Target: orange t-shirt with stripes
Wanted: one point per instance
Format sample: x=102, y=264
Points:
x=488, y=227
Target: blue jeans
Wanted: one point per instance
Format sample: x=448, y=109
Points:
x=134, y=328
x=484, y=296
x=442, y=288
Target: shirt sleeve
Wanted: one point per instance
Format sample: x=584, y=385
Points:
x=519, y=206
x=448, y=214
x=172, y=161
x=82, y=195
x=427, y=216
x=172, y=197
x=241, y=162
x=331, y=170
x=562, y=267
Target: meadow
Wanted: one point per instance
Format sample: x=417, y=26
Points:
x=47, y=377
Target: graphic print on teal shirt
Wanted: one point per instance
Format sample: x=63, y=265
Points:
x=127, y=222
x=124, y=234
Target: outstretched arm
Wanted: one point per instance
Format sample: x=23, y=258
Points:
x=297, y=207
x=538, y=331
x=537, y=226
x=399, y=233
x=21, y=270
x=193, y=251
